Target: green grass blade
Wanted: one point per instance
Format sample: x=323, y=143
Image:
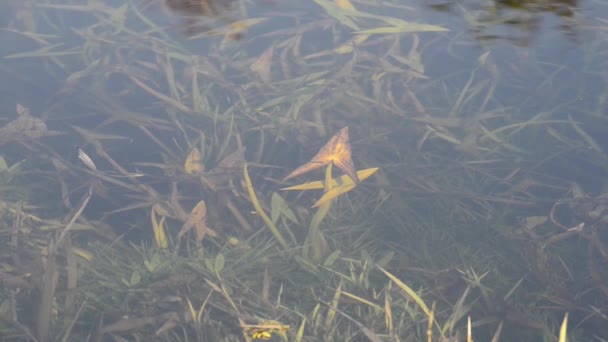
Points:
x=260, y=211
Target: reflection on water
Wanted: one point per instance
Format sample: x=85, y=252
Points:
x=519, y=22
x=201, y=16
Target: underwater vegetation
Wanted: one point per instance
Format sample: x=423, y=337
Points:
x=310, y=171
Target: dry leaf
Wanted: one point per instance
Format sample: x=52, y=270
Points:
x=338, y=151
x=262, y=66
x=194, y=164
x=198, y=219
x=198, y=213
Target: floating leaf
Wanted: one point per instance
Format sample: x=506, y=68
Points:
x=339, y=181
x=194, y=164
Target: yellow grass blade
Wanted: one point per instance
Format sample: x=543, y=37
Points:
x=300, y=333
x=336, y=182
x=404, y=28
x=159, y=230
x=86, y=255
x=388, y=314
x=349, y=45
x=191, y=309
x=407, y=290
x=339, y=190
x=362, y=300
x=331, y=314
x=563, y=331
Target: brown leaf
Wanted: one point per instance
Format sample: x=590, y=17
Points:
x=197, y=215
x=338, y=151
x=194, y=164
x=262, y=66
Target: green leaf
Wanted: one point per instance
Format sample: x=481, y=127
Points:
x=153, y=263
x=258, y=208
x=210, y=266
x=332, y=258
x=219, y=263
x=278, y=207
x=135, y=278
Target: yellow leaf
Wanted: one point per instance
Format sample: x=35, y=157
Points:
x=407, y=290
x=158, y=228
x=86, y=255
x=333, y=193
x=348, y=46
x=336, y=182
x=404, y=28
x=194, y=164
x=345, y=4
